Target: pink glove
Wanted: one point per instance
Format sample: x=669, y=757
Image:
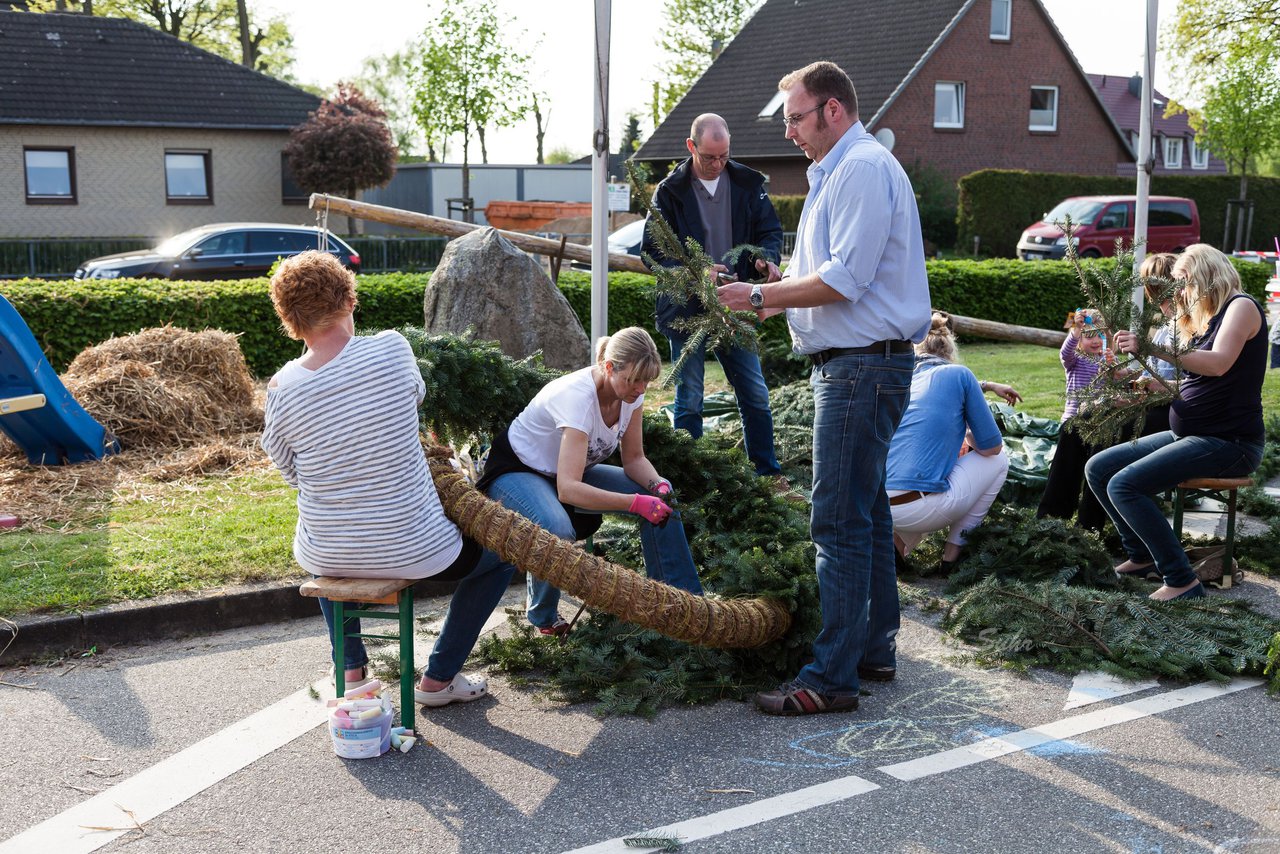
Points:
x=654, y=510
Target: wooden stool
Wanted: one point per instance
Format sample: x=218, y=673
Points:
x=371, y=591
x=1220, y=489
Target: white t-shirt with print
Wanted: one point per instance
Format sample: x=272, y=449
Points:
x=568, y=401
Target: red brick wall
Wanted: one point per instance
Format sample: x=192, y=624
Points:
x=786, y=176
x=997, y=77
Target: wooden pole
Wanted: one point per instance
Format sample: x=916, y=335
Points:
x=453, y=228
x=971, y=326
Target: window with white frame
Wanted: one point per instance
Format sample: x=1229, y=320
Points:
x=1000, y=14
x=50, y=175
x=1173, y=152
x=1044, y=108
x=772, y=107
x=948, y=105
x=187, y=178
x=1199, y=155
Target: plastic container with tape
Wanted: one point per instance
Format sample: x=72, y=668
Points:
x=362, y=739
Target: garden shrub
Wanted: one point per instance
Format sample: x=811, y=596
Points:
x=68, y=315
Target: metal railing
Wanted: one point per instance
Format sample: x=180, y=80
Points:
x=57, y=258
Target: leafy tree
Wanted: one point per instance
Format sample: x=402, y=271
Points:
x=343, y=147
x=631, y=137
x=1205, y=29
x=694, y=33
x=563, y=154
x=465, y=78
x=1240, y=119
x=385, y=78
x=264, y=45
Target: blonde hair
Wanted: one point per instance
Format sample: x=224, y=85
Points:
x=632, y=353
x=1157, y=266
x=310, y=291
x=940, y=341
x=1208, y=280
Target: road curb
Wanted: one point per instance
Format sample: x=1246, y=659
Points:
x=43, y=637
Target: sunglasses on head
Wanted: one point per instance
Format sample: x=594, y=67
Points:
x=1092, y=333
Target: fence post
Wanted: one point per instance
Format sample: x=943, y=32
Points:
x=31, y=259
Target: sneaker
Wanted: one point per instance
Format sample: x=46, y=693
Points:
x=559, y=628
x=791, y=698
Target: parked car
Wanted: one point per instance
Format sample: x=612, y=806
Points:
x=625, y=240
x=228, y=250
x=1173, y=224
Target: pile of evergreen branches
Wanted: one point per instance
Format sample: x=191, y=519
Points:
x=1033, y=592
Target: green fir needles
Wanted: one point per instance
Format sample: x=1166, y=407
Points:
x=681, y=272
x=1115, y=405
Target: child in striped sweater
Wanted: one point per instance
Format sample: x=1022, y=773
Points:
x=1082, y=349
x=342, y=427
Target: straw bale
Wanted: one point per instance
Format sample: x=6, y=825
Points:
x=167, y=387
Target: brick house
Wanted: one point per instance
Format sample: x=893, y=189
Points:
x=109, y=128
x=954, y=85
x=1172, y=141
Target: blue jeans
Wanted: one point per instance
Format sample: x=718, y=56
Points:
x=666, y=551
x=1126, y=478
x=480, y=587
x=742, y=369
x=858, y=402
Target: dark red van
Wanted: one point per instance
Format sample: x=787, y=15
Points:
x=1173, y=224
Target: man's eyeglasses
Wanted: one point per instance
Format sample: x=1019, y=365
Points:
x=723, y=158
x=793, y=120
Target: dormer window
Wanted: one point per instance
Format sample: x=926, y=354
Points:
x=1173, y=152
x=772, y=107
x=1001, y=10
x=1199, y=155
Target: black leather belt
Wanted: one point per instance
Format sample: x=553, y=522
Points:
x=895, y=345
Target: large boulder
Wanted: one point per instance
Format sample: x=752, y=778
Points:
x=484, y=283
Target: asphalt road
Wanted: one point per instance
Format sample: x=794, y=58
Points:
x=212, y=744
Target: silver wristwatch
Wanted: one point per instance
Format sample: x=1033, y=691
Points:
x=757, y=297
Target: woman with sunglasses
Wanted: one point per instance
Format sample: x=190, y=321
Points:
x=1215, y=424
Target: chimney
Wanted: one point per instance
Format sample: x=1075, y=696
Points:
x=1135, y=85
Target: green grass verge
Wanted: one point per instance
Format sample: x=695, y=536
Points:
x=183, y=536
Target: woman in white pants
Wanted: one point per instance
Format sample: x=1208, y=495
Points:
x=946, y=461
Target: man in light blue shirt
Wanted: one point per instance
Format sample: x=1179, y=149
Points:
x=856, y=297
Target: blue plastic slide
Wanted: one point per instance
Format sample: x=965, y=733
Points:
x=59, y=431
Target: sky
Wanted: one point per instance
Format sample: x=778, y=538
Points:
x=331, y=43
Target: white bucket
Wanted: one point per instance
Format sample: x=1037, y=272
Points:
x=353, y=739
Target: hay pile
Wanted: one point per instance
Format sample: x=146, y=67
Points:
x=167, y=388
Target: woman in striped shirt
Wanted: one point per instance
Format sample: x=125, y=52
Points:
x=342, y=427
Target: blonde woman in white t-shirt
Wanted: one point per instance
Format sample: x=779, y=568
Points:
x=547, y=466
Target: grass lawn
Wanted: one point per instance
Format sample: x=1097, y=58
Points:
x=142, y=538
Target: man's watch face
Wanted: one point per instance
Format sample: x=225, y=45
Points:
x=757, y=297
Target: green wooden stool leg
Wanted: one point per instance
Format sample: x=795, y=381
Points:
x=339, y=647
x=1231, y=534
x=1178, y=497
x=408, y=674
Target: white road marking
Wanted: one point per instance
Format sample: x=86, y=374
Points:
x=1094, y=687
x=948, y=760
x=163, y=786
x=746, y=815
x=992, y=748
x=187, y=773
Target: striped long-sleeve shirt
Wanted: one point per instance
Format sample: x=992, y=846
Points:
x=1081, y=372
x=346, y=436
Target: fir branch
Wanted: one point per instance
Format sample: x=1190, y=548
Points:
x=661, y=843
x=681, y=273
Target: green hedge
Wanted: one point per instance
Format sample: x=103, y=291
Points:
x=997, y=204
x=788, y=208
x=67, y=316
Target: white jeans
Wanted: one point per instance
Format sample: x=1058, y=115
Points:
x=971, y=487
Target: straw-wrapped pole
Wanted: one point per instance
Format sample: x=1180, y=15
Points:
x=722, y=623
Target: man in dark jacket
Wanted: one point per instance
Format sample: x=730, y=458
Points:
x=721, y=204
